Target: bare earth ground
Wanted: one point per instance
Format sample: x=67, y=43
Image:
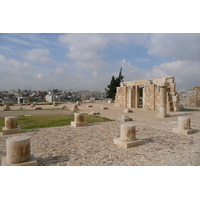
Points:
x=93, y=145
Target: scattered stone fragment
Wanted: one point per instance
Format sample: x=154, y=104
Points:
x=125, y=118
x=38, y=108
x=63, y=107
x=127, y=110
x=104, y=108
x=94, y=113
x=89, y=106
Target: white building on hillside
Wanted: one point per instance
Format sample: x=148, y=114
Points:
x=51, y=97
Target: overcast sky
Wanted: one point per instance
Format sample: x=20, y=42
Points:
x=87, y=61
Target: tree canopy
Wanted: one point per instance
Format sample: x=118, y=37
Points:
x=114, y=83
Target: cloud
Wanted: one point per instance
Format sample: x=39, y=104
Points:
x=59, y=70
x=39, y=55
x=186, y=72
x=130, y=71
x=12, y=38
x=83, y=50
x=39, y=76
x=185, y=46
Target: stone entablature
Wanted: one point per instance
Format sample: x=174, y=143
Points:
x=128, y=94
x=193, y=98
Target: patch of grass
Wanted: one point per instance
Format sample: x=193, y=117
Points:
x=45, y=121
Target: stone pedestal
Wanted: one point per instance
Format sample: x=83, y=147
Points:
x=11, y=125
x=78, y=103
x=127, y=137
x=75, y=107
x=18, y=152
x=6, y=107
x=184, y=126
x=78, y=120
x=55, y=103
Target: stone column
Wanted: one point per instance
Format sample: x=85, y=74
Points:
x=184, y=126
x=136, y=96
x=78, y=117
x=162, y=109
x=143, y=98
x=55, y=103
x=18, y=152
x=75, y=107
x=6, y=107
x=78, y=120
x=78, y=103
x=11, y=125
x=127, y=137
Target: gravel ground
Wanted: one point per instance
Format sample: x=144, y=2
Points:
x=93, y=145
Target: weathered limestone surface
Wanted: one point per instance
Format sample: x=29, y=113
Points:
x=162, y=109
x=104, y=108
x=38, y=108
x=89, y=106
x=193, y=98
x=67, y=146
x=75, y=107
x=127, y=137
x=11, y=125
x=55, y=103
x=127, y=110
x=6, y=107
x=125, y=118
x=63, y=106
x=78, y=103
x=18, y=152
x=184, y=126
x=127, y=95
x=78, y=120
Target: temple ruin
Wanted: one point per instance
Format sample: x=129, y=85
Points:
x=155, y=93
x=193, y=98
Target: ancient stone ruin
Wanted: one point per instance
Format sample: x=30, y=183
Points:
x=74, y=107
x=127, y=137
x=193, y=98
x=127, y=95
x=11, y=125
x=184, y=126
x=6, y=107
x=18, y=152
x=78, y=120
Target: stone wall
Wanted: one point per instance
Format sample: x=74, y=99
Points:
x=193, y=98
x=127, y=95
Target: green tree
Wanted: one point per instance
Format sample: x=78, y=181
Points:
x=114, y=83
x=120, y=78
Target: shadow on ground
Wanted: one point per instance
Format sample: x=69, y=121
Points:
x=52, y=160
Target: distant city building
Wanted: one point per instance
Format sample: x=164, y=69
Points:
x=51, y=97
x=24, y=100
